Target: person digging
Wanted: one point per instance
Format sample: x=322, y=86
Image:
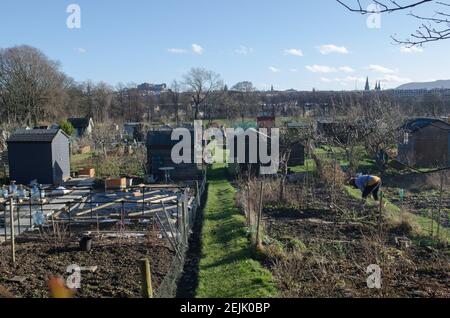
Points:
x=368, y=184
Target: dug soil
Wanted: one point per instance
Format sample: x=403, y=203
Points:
x=117, y=261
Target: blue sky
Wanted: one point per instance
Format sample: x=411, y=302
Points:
x=267, y=42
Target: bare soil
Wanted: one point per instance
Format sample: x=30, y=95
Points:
x=117, y=275
x=336, y=250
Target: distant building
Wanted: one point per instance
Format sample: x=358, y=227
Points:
x=152, y=89
x=83, y=126
x=367, y=87
x=39, y=154
x=266, y=120
x=297, y=157
x=377, y=86
x=425, y=143
x=135, y=131
x=420, y=92
x=334, y=130
x=245, y=150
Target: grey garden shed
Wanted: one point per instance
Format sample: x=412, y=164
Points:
x=39, y=154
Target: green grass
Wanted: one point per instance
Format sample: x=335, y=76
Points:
x=309, y=165
x=392, y=211
x=79, y=160
x=227, y=269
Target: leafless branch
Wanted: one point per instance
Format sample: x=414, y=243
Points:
x=432, y=28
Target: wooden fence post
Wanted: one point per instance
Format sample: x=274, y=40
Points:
x=12, y=234
x=146, y=279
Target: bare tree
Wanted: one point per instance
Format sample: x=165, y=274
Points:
x=30, y=84
x=201, y=83
x=246, y=98
x=102, y=95
x=102, y=137
x=432, y=28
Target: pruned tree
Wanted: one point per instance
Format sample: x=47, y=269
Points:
x=102, y=137
x=200, y=84
x=371, y=127
x=432, y=28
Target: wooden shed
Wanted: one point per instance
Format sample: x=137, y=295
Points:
x=425, y=143
x=159, y=155
x=39, y=154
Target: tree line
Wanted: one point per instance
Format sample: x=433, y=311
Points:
x=34, y=91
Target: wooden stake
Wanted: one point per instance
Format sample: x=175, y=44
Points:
x=146, y=279
x=440, y=207
x=258, y=225
x=198, y=193
x=4, y=220
x=31, y=214
x=380, y=216
x=11, y=219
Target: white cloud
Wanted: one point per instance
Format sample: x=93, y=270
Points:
x=348, y=79
x=81, y=50
x=395, y=79
x=197, y=49
x=176, y=51
x=353, y=79
x=293, y=52
x=346, y=69
x=331, y=48
x=380, y=69
x=274, y=69
x=293, y=70
x=412, y=49
x=243, y=50
x=321, y=69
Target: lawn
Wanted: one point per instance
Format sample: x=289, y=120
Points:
x=227, y=268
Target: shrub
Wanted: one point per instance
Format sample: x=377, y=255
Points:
x=67, y=127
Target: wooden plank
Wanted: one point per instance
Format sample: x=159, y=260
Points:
x=17, y=279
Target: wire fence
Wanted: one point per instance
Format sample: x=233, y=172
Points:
x=174, y=217
x=189, y=214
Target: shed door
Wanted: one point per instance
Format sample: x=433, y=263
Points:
x=448, y=148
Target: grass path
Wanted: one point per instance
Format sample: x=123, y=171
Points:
x=227, y=269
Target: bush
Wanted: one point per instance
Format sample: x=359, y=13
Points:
x=330, y=172
x=67, y=127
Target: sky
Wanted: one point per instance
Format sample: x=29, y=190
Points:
x=290, y=44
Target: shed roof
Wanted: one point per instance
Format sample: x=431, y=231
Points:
x=35, y=135
x=420, y=123
x=79, y=122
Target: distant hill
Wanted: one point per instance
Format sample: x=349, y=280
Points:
x=426, y=85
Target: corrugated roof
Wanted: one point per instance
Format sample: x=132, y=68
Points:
x=34, y=135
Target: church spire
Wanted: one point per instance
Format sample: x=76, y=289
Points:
x=367, y=88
